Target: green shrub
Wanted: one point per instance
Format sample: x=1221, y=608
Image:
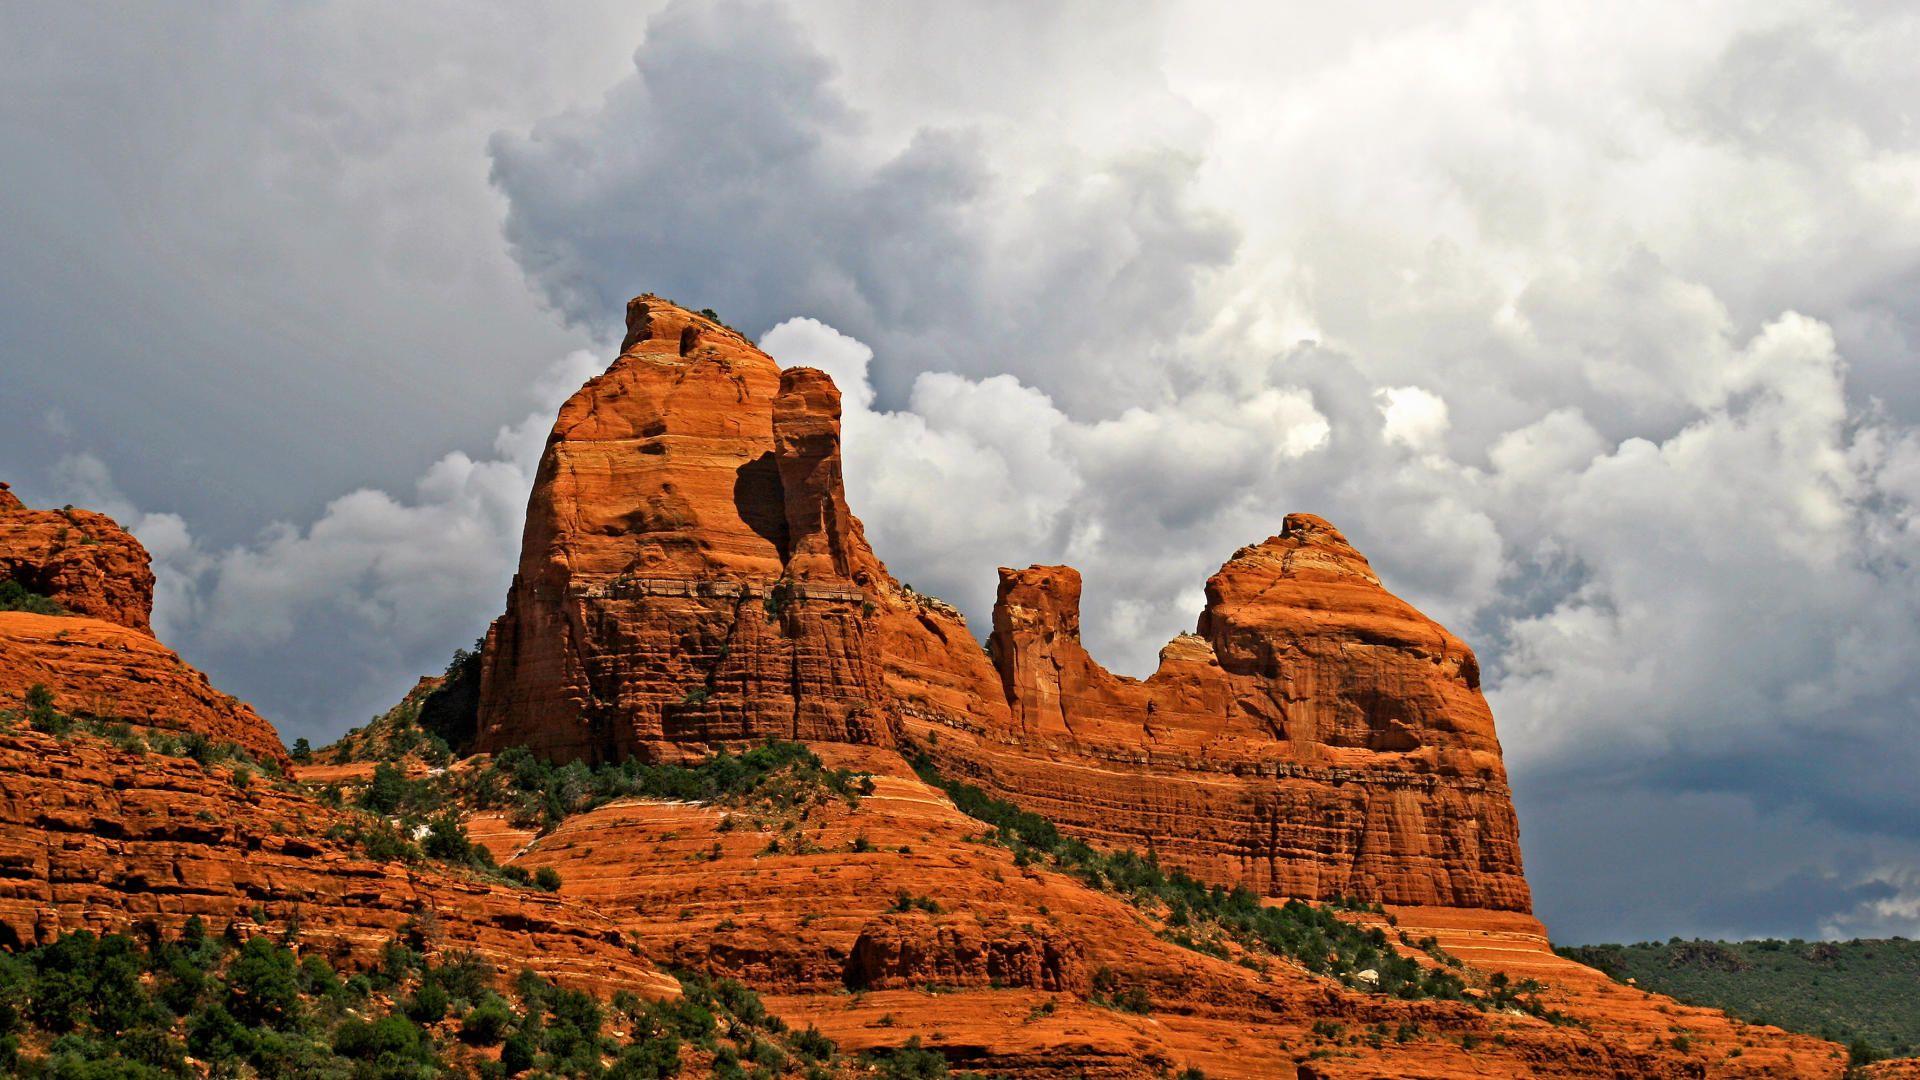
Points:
x=908, y=1062
x=517, y=1053
x=263, y=985
x=547, y=879
x=390, y=1037
x=42, y=715
x=428, y=1005
x=653, y=1058
x=17, y=597
x=487, y=1023
x=386, y=791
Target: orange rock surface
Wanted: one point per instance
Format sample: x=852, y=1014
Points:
x=999, y=978
x=103, y=661
x=104, y=670
x=83, y=561
x=691, y=574
x=97, y=838
x=1317, y=737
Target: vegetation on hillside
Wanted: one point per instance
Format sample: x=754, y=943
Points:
x=137, y=1007
x=412, y=818
x=17, y=597
x=775, y=776
x=1862, y=993
x=1220, y=922
x=451, y=713
x=42, y=714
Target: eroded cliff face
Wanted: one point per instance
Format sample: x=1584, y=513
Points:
x=692, y=574
x=97, y=838
x=102, y=660
x=81, y=560
x=1317, y=736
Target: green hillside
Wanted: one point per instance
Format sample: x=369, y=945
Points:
x=1850, y=991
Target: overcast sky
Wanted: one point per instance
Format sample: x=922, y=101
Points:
x=1593, y=325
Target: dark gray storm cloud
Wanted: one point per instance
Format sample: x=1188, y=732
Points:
x=1602, y=351
x=739, y=178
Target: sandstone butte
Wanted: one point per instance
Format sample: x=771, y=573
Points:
x=691, y=573
x=692, y=577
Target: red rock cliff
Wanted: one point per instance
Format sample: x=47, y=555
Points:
x=102, y=660
x=691, y=573
x=1317, y=737
x=83, y=561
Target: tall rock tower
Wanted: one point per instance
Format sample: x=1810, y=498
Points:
x=692, y=576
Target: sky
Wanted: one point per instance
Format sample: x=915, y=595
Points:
x=1593, y=325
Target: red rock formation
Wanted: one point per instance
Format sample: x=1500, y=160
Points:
x=97, y=838
x=999, y=976
x=102, y=661
x=1317, y=737
x=83, y=561
x=99, y=669
x=691, y=573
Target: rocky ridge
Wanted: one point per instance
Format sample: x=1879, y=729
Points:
x=101, y=660
x=82, y=560
x=693, y=578
x=691, y=574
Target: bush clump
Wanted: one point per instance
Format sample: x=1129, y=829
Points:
x=17, y=597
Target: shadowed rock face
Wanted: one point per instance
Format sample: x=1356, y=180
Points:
x=691, y=574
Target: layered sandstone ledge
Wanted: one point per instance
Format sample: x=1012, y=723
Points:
x=97, y=838
x=102, y=660
x=691, y=574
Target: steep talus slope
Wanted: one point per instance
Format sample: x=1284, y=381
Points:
x=691, y=573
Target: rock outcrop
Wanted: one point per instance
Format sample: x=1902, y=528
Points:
x=999, y=966
x=1317, y=736
x=81, y=560
x=691, y=574
x=102, y=660
x=96, y=838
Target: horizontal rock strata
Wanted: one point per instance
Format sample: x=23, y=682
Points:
x=691, y=574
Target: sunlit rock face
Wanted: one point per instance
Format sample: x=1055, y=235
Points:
x=100, y=659
x=691, y=574
x=79, y=559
